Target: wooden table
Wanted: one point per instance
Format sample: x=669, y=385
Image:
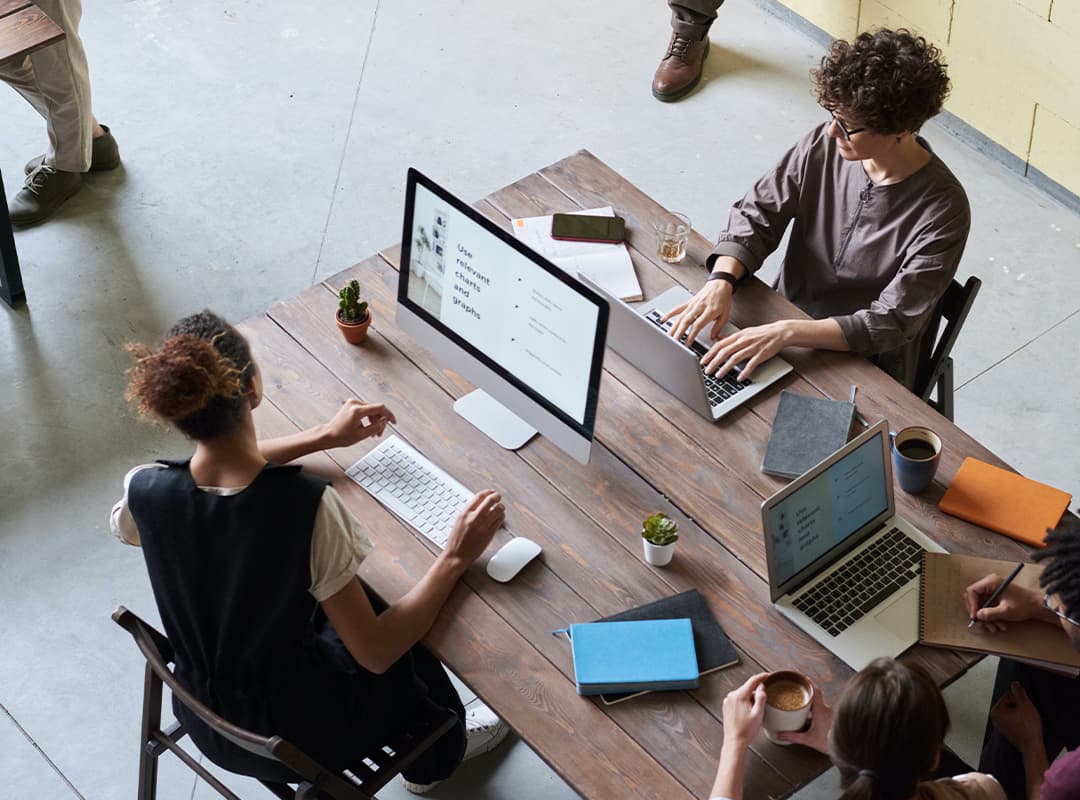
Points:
x=24, y=28
x=588, y=518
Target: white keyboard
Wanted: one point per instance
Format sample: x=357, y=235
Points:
x=412, y=488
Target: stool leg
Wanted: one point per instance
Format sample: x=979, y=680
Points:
x=151, y=722
x=11, y=285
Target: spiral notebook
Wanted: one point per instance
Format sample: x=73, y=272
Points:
x=943, y=618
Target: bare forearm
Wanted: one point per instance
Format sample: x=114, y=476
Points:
x=729, y=775
x=407, y=620
x=1035, y=766
x=283, y=449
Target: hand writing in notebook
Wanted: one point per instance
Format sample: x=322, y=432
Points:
x=1015, y=605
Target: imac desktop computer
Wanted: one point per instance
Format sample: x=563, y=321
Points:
x=527, y=335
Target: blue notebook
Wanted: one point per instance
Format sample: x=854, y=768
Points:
x=634, y=656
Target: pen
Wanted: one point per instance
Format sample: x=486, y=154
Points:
x=992, y=599
x=862, y=421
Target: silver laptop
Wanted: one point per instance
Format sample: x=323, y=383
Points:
x=641, y=338
x=842, y=565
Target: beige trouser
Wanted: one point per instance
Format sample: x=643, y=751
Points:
x=56, y=81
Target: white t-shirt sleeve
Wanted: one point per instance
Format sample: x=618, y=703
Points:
x=338, y=546
x=121, y=523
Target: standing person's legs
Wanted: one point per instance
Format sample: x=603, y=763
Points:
x=56, y=81
x=1056, y=697
x=693, y=18
x=682, y=64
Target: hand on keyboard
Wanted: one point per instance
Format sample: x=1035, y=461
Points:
x=712, y=304
x=752, y=346
x=356, y=421
x=475, y=526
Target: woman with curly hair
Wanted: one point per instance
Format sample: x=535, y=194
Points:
x=879, y=220
x=254, y=569
x=885, y=737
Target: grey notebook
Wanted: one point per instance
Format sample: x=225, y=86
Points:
x=806, y=430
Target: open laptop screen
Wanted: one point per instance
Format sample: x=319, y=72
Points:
x=828, y=509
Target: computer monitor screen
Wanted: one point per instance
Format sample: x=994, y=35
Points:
x=841, y=500
x=502, y=316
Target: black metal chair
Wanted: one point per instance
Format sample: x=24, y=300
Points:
x=313, y=780
x=936, y=365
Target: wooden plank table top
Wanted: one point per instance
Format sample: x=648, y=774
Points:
x=651, y=454
x=25, y=28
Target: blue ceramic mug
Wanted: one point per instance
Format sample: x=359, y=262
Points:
x=916, y=452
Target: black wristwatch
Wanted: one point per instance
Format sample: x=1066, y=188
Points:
x=725, y=276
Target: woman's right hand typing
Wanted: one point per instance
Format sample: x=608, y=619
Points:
x=475, y=526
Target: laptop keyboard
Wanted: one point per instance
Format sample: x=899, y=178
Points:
x=718, y=389
x=848, y=594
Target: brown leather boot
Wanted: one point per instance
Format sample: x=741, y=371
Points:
x=680, y=68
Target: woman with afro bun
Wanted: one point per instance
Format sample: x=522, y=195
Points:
x=254, y=569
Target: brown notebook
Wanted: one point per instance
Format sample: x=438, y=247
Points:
x=943, y=617
x=1004, y=501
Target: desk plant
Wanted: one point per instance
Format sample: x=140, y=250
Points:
x=659, y=532
x=353, y=314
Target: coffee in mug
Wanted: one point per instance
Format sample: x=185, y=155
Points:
x=915, y=455
x=788, y=698
x=786, y=695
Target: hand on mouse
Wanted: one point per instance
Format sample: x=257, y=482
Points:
x=475, y=526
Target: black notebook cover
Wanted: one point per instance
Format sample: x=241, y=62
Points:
x=714, y=650
x=806, y=430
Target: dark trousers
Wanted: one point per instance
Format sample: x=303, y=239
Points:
x=417, y=687
x=692, y=18
x=1058, y=700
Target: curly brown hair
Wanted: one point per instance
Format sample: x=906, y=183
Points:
x=890, y=81
x=196, y=378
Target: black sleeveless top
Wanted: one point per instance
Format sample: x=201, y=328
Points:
x=230, y=575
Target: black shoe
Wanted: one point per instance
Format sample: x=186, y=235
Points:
x=45, y=190
x=104, y=155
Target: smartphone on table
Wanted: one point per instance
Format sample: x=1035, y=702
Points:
x=587, y=228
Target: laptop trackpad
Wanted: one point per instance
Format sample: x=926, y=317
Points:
x=901, y=616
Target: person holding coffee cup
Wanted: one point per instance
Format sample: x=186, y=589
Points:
x=884, y=736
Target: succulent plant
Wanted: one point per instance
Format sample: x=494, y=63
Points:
x=660, y=529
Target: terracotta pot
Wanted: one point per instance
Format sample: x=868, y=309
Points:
x=356, y=332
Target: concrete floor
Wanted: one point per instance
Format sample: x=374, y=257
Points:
x=265, y=147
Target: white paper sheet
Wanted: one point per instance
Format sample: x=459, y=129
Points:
x=607, y=264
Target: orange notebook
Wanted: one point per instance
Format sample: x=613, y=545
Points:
x=1004, y=501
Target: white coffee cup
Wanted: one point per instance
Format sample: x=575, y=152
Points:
x=789, y=696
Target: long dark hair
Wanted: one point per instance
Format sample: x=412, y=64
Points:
x=887, y=730
x=196, y=378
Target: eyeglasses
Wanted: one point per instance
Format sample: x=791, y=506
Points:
x=844, y=129
x=1050, y=608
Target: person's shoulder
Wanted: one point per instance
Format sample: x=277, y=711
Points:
x=969, y=786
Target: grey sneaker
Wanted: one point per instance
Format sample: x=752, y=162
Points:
x=104, y=155
x=484, y=731
x=45, y=190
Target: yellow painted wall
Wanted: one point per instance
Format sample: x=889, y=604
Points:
x=1013, y=65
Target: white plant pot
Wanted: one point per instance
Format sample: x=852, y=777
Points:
x=658, y=555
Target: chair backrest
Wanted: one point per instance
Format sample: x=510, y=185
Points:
x=315, y=780
x=953, y=308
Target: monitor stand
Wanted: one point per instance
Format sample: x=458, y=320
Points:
x=492, y=418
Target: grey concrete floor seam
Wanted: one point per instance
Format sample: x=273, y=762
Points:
x=40, y=752
x=1019, y=349
x=345, y=143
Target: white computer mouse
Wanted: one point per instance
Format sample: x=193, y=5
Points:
x=511, y=557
